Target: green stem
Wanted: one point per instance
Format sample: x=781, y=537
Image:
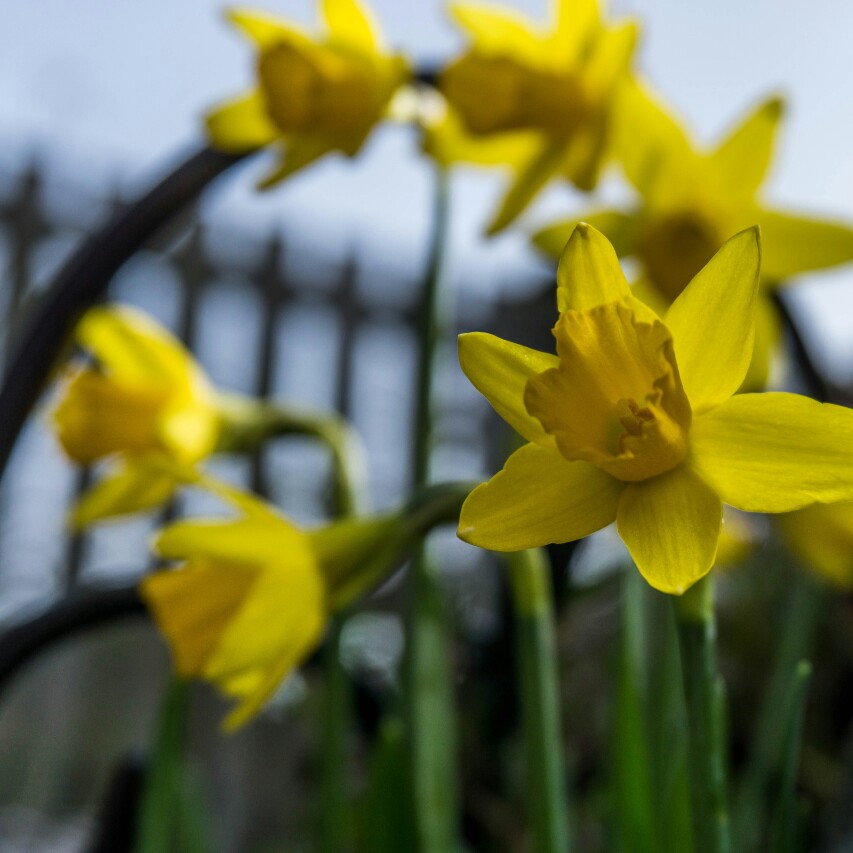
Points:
x=540, y=704
x=350, y=481
x=158, y=817
x=246, y=423
x=428, y=679
x=703, y=690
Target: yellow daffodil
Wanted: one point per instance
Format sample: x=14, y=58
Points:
x=142, y=400
x=633, y=419
x=822, y=537
x=314, y=95
x=251, y=597
x=540, y=98
x=692, y=200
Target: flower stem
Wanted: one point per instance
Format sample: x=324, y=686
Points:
x=546, y=780
x=703, y=690
x=428, y=679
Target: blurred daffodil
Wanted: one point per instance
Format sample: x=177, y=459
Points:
x=140, y=399
x=633, y=420
x=539, y=100
x=692, y=200
x=822, y=537
x=313, y=95
x=250, y=598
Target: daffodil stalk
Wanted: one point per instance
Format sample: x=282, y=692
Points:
x=430, y=716
x=540, y=703
x=704, y=695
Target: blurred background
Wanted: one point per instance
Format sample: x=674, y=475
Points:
x=99, y=99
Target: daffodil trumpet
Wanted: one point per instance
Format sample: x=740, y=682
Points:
x=634, y=420
x=314, y=95
x=690, y=200
x=250, y=597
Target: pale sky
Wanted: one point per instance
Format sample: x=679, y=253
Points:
x=109, y=88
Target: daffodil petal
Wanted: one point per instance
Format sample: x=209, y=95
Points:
x=240, y=542
x=618, y=227
x=133, y=347
x=350, y=24
x=538, y=498
x=743, y=158
x=611, y=56
x=648, y=142
x=132, y=488
x=241, y=125
x=277, y=625
x=821, y=535
x=671, y=526
x=264, y=30
x=576, y=22
x=495, y=30
x=795, y=244
x=775, y=452
x=192, y=605
x=447, y=141
x=713, y=322
x=499, y=370
x=589, y=274
x=530, y=179
x=768, y=334
x=299, y=152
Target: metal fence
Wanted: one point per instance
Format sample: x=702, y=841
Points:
x=265, y=316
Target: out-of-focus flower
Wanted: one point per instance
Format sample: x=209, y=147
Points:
x=691, y=201
x=251, y=597
x=540, y=101
x=313, y=95
x=822, y=537
x=142, y=400
x=633, y=420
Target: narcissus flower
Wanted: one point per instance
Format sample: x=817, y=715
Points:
x=692, y=200
x=633, y=420
x=141, y=400
x=314, y=95
x=822, y=537
x=547, y=93
x=251, y=597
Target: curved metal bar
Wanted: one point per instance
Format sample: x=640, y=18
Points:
x=84, y=278
x=88, y=608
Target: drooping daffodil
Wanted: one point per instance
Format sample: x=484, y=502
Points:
x=314, y=95
x=251, y=596
x=692, y=200
x=139, y=398
x=542, y=97
x=634, y=419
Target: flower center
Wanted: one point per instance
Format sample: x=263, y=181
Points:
x=311, y=88
x=675, y=247
x=616, y=399
x=495, y=93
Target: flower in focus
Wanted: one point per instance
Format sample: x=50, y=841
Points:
x=141, y=400
x=633, y=420
x=540, y=99
x=314, y=95
x=251, y=597
x=691, y=201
